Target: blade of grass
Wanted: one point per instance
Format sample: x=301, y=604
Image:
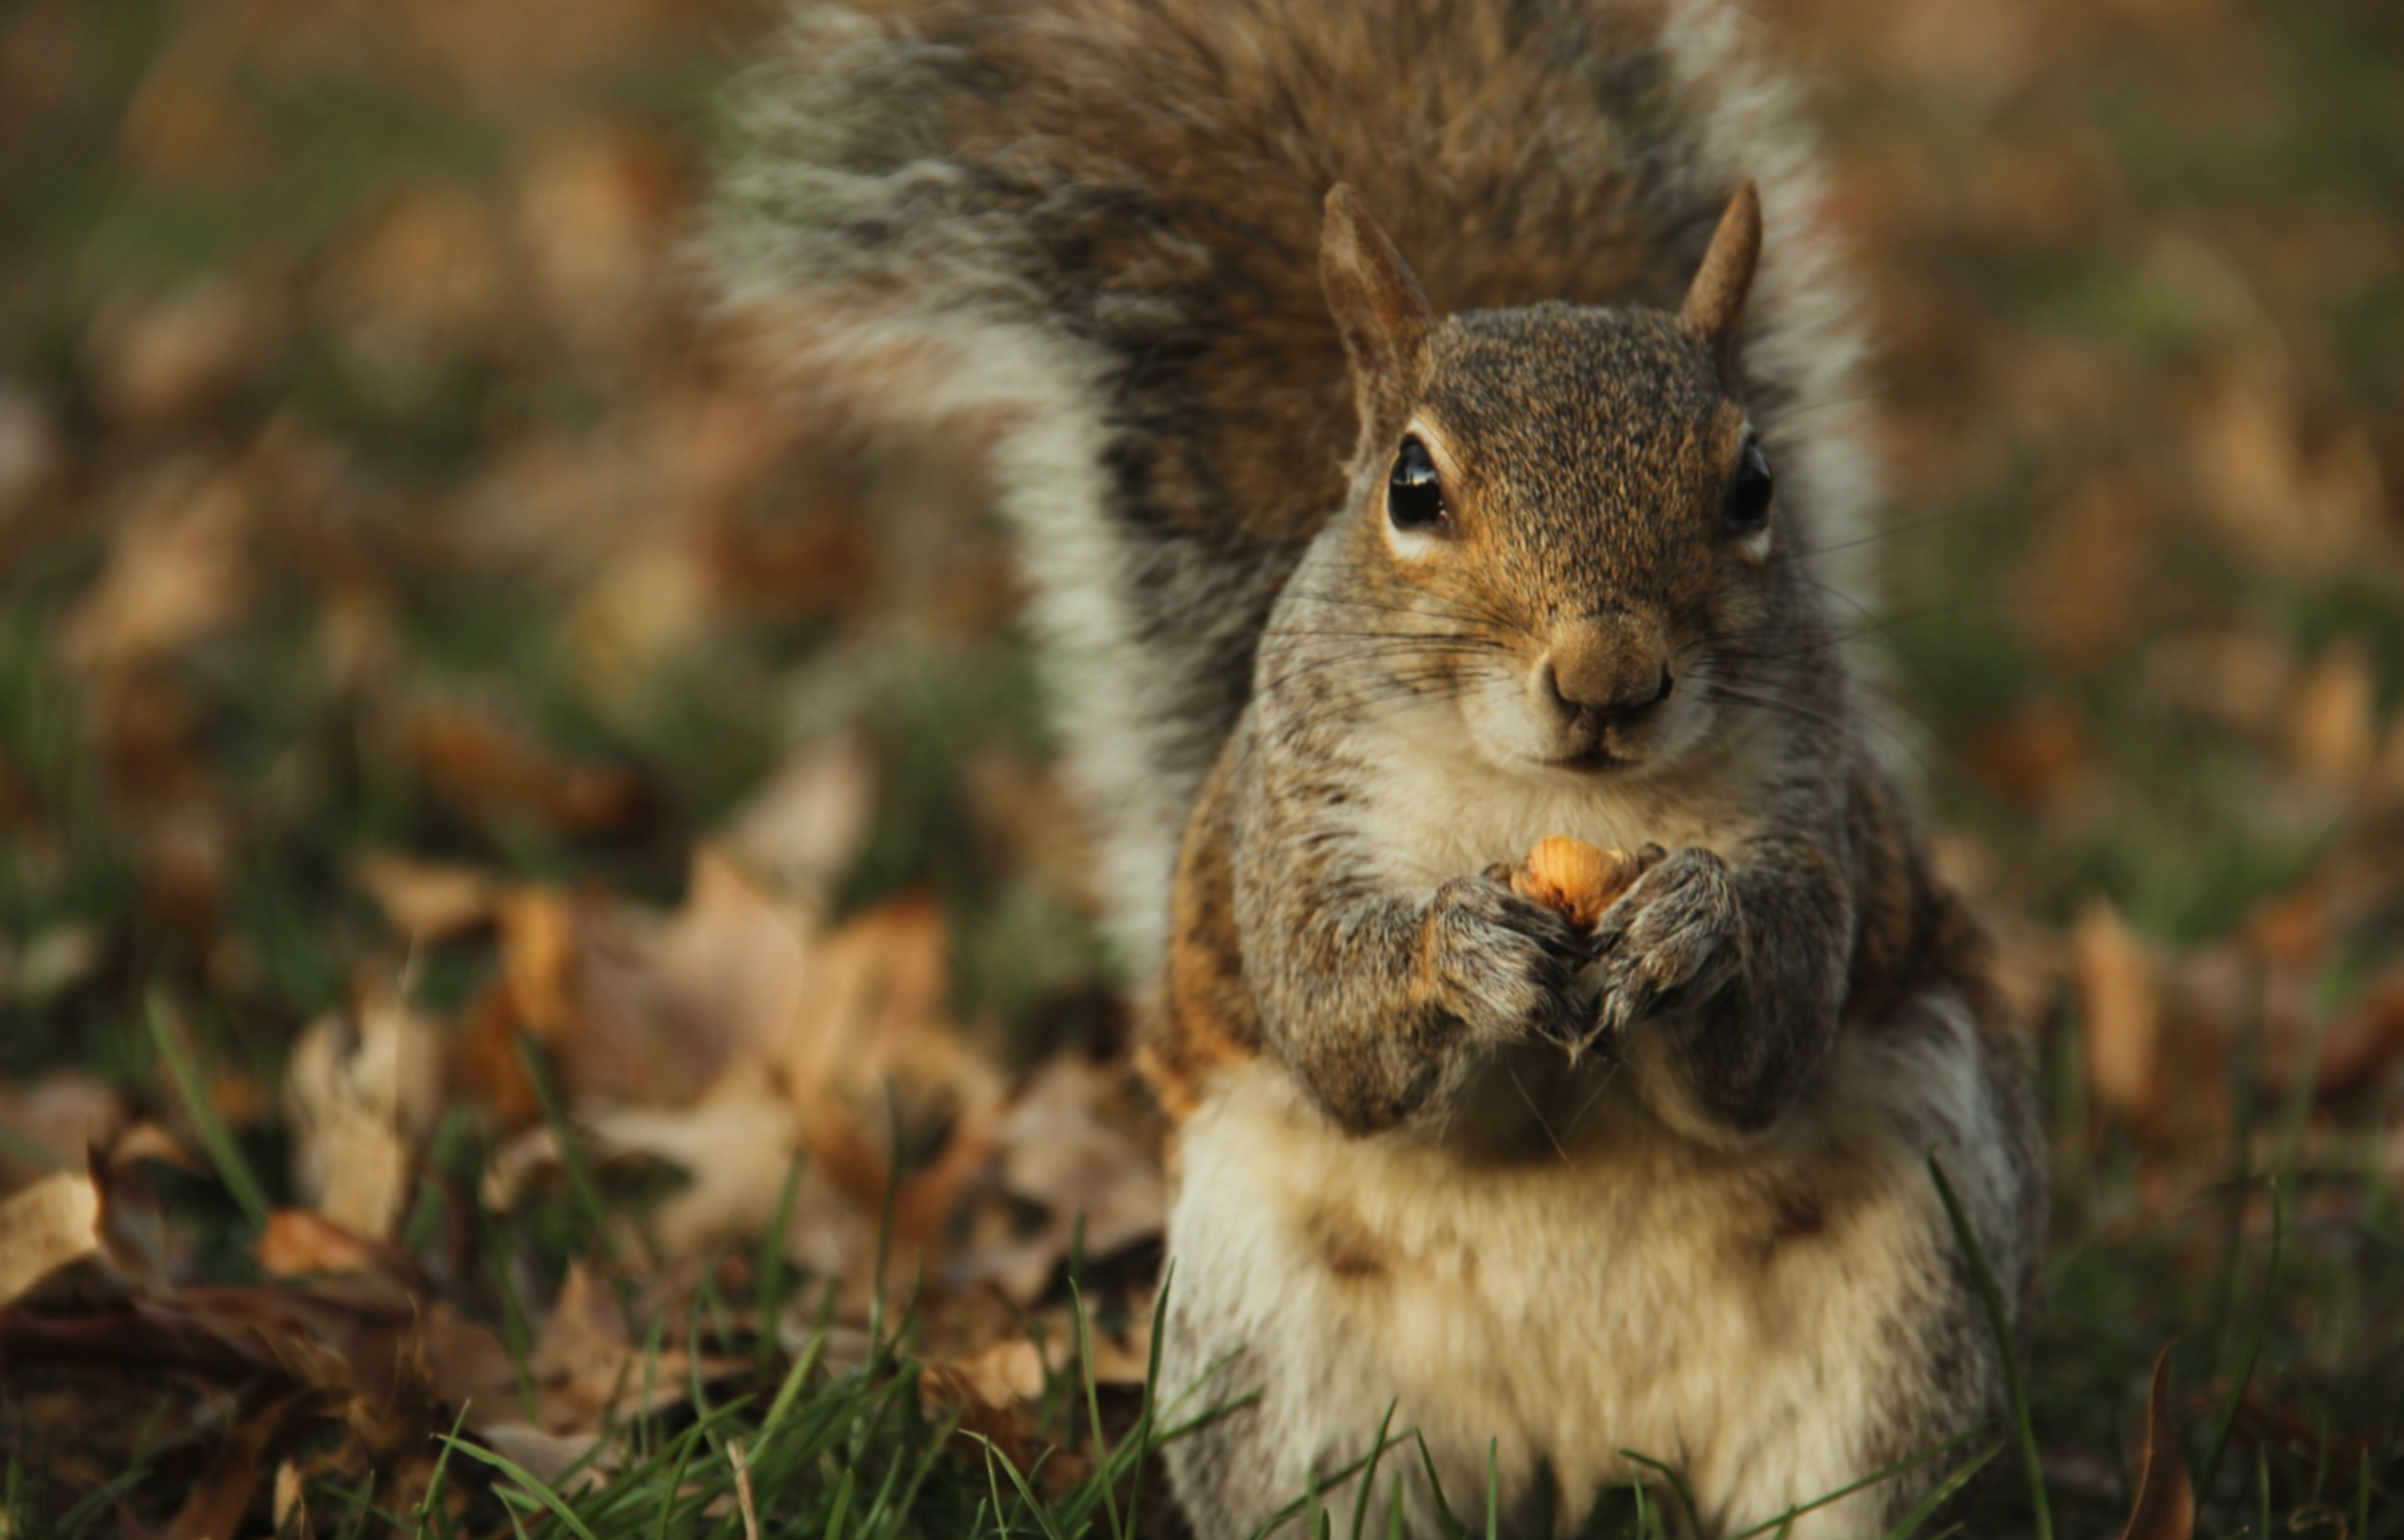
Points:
x=1147, y=1420
x=1887, y=1474
x=433, y=1497
x=1991, y=1296
x=803, y=1363
x=1942, y=1493
x=685, y=1447
x=1444, y=1514
x=1493, y=1489
x=773, y=1267
x=1310, y=1497
x=884, y=1221
x=1369, y=1475
x=2227, y=1425
x=1677, y=1482
x=534, y=1486
x=517, y=1326
x=842, y=1510
x=1094, y=1404
x=1027, y=1493
x=224, y=1154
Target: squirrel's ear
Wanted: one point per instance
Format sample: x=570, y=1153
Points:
x=1377, y=303
x=1715, y=306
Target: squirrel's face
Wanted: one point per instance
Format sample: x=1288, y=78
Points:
x=1573, y=510
x=1561, y=513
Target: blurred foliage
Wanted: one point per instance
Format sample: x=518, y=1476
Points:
x=371, y=480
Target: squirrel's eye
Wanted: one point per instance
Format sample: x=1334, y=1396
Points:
x=1747, y=503
x=1414, y=498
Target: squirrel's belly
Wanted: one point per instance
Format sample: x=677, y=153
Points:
x=1733, y=1315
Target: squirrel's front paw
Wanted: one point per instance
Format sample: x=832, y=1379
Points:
x=1674, y=932
x=1506, y=967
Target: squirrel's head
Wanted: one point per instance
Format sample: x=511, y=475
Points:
x=1561, y=511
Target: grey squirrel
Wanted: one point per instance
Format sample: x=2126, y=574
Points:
x=1366, y=552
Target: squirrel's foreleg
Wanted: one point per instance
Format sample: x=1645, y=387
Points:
x=1724, y=982
x=1382, y=1004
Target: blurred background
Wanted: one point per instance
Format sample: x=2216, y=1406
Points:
x=380, y=509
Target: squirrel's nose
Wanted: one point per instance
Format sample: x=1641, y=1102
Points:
x=1609, y=672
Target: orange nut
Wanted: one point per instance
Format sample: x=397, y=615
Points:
x=1576, y=879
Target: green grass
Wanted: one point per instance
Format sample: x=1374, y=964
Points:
x=2275, y=1266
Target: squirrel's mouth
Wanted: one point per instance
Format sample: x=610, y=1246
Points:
x=1595, y=759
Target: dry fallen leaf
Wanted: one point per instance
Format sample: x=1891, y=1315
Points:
x=297, y=1244
x=177, y=572
x=1067, y=1144
x=214, y=1510
x=45, y=1226
x=361, y=1088
x=2165, y=1505
x=800, y=832
x=2365, y=1041
x=497, y=775
x=48, y=1124
x=427, y=901
x=658, y=1020
x=2332, y=728
x=2120, y=1011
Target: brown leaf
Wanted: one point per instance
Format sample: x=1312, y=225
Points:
x=361, y=1089
x=2095, y=554
x=657, y=1022
x=2365, y=1041
x=2119, y=1000
x=53, y=960
x=997, y=1396
x=2165, y=1506
x=48, y=1225
x=175, y=358
x=2036, y=757
x=539, y=958
x=496, y=775
x=297, y=1243
x=800, y=832
x=2333, y=732
x=2314, y=506
x=734, y=1145
x=177, y=572
x=427, y=901
x=1069, y=1143
x=597, y=208
x=422, y=286
x=49, y=1123
x=546, y=1456
x=289, y=1509
x=589, y=1373
x=216, y=1506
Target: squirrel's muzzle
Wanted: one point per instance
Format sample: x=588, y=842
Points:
x=1608, y=672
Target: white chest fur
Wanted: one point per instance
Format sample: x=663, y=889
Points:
x=1603, y=1287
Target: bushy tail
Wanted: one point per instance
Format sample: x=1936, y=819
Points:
x=1084, y=235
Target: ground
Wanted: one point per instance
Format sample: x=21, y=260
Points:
x=453, y=726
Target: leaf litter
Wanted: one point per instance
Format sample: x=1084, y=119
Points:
x=510, y=746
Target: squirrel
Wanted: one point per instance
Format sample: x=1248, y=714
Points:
x=1363, y=552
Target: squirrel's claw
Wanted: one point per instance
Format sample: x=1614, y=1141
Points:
x=1674, y=933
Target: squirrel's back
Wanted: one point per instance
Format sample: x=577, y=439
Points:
x=1086, y=233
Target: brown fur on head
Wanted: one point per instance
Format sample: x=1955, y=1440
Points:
x=1593, y=528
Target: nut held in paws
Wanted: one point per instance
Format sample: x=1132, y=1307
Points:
x=1577, y=880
